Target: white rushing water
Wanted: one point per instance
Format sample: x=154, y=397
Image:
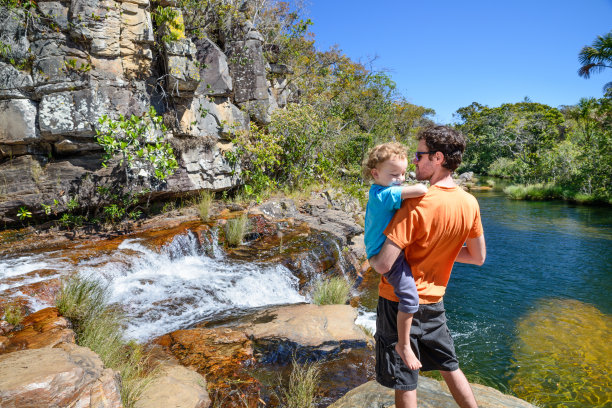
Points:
x=170, y=289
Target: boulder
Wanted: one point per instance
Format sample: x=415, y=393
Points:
x=14, y=83
x=213, y=118
x=431, y=394
x=214, y=71
x=65, y=376
x=42, y=329
x=175, y=386
x=19, y=119
x=13, y=33
x=203, y=167
x=136, y=39
x=313, y=331
x=99, y=23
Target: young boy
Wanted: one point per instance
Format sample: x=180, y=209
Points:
x=386, y=164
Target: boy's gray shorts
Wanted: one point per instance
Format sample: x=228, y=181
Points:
x=429, y=337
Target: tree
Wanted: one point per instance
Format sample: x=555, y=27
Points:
x=597, y=58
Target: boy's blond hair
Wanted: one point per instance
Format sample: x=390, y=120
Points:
x=382, y=153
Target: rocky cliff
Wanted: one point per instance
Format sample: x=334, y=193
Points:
x=65, y=64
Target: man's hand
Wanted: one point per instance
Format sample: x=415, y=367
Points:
x=474, y=252
x=384, y=260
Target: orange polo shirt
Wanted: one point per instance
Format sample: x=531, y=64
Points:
x=431, y=230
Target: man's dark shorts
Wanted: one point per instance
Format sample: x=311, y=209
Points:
x=430, y=340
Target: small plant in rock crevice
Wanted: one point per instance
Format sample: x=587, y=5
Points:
x=235, y=229
x=334, y=291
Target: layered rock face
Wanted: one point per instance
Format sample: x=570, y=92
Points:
x=68, y=63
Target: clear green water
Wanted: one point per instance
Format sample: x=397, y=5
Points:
x=534, y=320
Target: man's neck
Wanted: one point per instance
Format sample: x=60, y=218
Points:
x=442, y=179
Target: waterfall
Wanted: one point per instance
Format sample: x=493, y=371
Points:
x=181, y=285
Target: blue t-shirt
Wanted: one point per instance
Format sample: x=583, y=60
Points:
x=382, y=204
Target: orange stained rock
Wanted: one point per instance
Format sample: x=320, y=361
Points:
x=45, y=328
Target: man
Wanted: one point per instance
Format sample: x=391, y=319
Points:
x=434, y=231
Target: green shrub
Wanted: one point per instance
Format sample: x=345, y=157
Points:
x=302, y=386
x=204, y=203
x=13, y=314
x=235, y=229
x=100, y=328
x=334, y=291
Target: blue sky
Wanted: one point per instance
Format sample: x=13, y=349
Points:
x=447, y=54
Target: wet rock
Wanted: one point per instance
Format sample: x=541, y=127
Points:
x=313, y=331
x=175, y=386
x=220, y=354
x=66, y=376
x=431, y=394
x=42, y=329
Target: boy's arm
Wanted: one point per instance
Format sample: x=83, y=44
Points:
x=415, y=190
x=474, y=252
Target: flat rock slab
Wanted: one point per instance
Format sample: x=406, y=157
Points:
x=65, y=376
x=431, y=394
x=308, y=325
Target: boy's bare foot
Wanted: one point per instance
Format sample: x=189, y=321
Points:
x=406, y=353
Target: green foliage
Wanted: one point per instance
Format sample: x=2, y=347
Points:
x=169, y=23
x=13, y=314
x=235, y=229
x=521, y=131
x=24, y=213
x=597, y=58
x=139, y=141
x=99, y=327
x=300, y=392
x=334, y=291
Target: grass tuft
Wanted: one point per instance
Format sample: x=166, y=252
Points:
x=235, y=229
x=13, y=314
x=301, y=389
x=99, y=327
x=334, y=291
x=206, y=198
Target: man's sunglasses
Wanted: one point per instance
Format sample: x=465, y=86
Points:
x=418, y=155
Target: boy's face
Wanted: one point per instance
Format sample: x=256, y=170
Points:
x=390, y=172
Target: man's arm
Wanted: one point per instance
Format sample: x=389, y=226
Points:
x=383, y=261
x=474, y=252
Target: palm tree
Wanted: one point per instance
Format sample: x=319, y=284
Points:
x=596, y=58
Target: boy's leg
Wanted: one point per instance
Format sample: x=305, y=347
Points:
x=400, y=277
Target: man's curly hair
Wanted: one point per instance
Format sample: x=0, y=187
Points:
x=447, y=140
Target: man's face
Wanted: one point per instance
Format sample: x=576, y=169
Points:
x=424, y=167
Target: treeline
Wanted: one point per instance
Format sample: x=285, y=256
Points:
x=563, y=152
